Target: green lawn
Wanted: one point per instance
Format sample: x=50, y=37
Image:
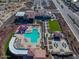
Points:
x=54, y=26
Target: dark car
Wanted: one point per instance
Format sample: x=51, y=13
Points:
x=62, y=6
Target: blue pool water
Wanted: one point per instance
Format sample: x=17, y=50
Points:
x=34, y=35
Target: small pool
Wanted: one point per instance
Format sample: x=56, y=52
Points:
x=34, y=35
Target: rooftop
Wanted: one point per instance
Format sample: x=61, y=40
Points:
x=20, y=14
x=15, y=51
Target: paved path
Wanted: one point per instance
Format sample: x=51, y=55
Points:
x=46, y=29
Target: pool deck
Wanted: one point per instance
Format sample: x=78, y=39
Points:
x=16, y=51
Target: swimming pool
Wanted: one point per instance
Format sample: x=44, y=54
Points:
x=33, y=35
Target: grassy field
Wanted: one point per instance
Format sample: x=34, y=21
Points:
x=7, y=43
x=54, y=26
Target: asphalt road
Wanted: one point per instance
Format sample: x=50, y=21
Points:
x=65, y=11
x=11, y=19
x=74, y=28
